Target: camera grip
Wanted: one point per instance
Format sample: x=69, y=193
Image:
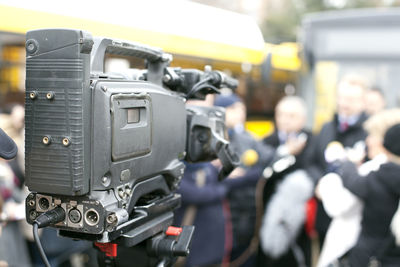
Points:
x=103, y=46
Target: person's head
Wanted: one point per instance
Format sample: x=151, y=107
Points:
x=376, y=127
x=350, y=96
x=391, y=143
x=235, y=110
x=290, y=114
x=18, y=117
x=374, y=101
x=207, y=102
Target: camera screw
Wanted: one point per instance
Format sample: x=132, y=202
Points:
x=46, y=140
x=50, y=95
x=66, y=141
x=31, y=46
x=105, y=180
x=33, y=95
x=128, y=191
x=121, y=193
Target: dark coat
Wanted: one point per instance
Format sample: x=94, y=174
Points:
x=330, y=132
x=303, y=241
x=380, y=192
x=209, y=236
x=303, y=159
x=241, y=141
x=242, y=189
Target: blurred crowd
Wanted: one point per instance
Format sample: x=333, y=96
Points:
x=301, y=199
x=297, y=199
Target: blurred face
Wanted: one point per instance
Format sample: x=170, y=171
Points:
x=374, y=102
x=207, y=102
x=375, y=145
x=18, y=117
x=350, y=100
x=235, y=114
x=289, y=117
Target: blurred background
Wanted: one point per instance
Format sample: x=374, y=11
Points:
x=274, y=47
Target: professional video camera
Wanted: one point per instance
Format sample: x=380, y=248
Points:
x=104, y=151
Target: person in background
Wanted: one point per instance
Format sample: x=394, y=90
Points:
x=345, y=128
x=283, y=236
x=380, y=193
x=344, y=207
x=374, y=101
x=18, y=233
x=255, y=156
x=202, y=206
x=13, y=251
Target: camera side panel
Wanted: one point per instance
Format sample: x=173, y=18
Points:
x=57, y=111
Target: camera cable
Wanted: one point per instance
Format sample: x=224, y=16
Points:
x=50, y=217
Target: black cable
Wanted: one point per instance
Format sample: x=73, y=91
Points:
x=47, y=218
x=39, y=245
x=201, y=85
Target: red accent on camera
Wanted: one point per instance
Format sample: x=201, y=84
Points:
x=110, y=249
x=175, y=231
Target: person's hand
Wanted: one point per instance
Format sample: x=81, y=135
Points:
x=334, y=151
x=295, y=145
x=217, y=163
x=357, y=153
x=237, y=172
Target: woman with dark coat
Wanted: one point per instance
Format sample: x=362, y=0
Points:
x=380, y=192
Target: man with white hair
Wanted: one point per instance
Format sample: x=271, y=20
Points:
x=345, y=128
x=283, y=235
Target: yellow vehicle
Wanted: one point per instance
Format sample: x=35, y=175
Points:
x=279, y=77
x=197, y=35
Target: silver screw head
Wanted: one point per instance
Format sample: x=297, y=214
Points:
x=66, y=141
x=50, y=95
x=46, y=140
x=33, y=95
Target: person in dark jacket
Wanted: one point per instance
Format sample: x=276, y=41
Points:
x=255, y=156
x=202, y=206
x=345, y=128
x=380, y=192
x=284, y=241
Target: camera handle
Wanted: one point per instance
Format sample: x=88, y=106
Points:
x=157, y=60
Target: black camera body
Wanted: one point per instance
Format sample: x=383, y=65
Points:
x=108, y=149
